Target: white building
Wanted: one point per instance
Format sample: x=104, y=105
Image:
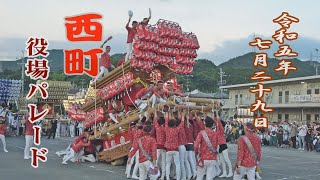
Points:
x=294, y=99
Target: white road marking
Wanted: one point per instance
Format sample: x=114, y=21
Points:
x=277, y=173
x=305, y=163
x=98, y=169
x=104, y=170
x=285, y=176
x=313, y=175
x=274, y=157
x=15, y=146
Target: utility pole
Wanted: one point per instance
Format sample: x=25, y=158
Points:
x=316, y=62
x=222, y=82
x=254, y=39
x=187, y=83
x=22, y=73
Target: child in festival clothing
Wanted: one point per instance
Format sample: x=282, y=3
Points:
x=73, y=153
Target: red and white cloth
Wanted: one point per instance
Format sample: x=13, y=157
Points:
x=136, y=134
x=189, y=133
x=245, y=157
x=160, y=134
x=202, y=149
x=80, y=145
x=78, y=139
x=29, y=125
x=105, y=60
x=149, y=145
x=131, y=33
x=220, y=131
x=3, y=129
x=182, y=136
x=172, y=138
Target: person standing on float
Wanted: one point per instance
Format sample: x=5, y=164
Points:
x=132, y=31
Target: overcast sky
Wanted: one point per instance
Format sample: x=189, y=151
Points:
x=216, y=22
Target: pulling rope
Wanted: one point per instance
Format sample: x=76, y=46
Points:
x=125, y=84
x=188, y=104
x=95, y=112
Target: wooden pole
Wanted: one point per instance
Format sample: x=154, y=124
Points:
x=113, y=75
x=135, y=116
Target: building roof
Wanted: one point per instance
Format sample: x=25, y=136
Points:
x=198, y=94
x=220, y=95
x=306, y=78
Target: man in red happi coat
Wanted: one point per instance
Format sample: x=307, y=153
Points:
x=249, y=154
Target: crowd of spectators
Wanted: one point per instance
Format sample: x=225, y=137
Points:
x=281, y=134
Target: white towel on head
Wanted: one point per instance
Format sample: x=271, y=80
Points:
x=149, y=12
x=130, y=13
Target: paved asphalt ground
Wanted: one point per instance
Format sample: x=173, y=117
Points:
x=277, y=164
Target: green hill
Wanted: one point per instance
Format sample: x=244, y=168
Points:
x=239, y=69
x=205, y=76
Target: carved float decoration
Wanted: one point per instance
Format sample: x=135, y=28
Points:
x=75, y=112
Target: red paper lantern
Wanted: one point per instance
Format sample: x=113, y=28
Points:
x=166, y=41
x=138, y=54
x=162, y=28
x=147, y=32
x=134, y=62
